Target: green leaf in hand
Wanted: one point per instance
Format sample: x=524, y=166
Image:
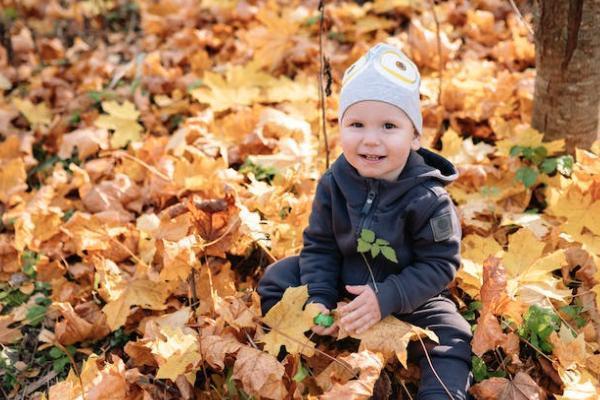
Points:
x=323, y=320
x=367, y=235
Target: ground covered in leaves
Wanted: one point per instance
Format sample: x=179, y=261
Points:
x=155, y=156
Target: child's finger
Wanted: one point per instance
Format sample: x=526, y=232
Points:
x=361, y=323
x=354, y=316
x=353, y=305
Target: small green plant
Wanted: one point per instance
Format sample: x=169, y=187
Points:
x=481, y=371
x=367, y=242
x=261, y=173
x=301, y=374
x=469, y=314
x=538, y=324
x=536, y=161
x=574, y=312
x=59, y=358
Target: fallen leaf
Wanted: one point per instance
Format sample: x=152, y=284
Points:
x=390, y=337
x=122, y=120
x=370, y=365
x=8, y=335
x=260, y=373
x=289, y=322
x=522, y=387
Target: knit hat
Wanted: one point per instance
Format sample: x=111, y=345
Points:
x=386, y=74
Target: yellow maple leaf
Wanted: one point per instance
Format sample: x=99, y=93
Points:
x=274, y=39
x=390, y=336
x=383, y=6
x=138, y=292
x=12, y=178
x=36, y=114
x=461, y=152
x=528, y=137
x=289, y=322
x=122, y=119
x=529, y=271
x=576, y=207
x=475, y=250
x=176, y=353
x=240, y=86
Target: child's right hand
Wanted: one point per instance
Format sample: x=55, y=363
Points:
x=321, y=330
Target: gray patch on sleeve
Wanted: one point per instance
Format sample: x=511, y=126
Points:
x=442, y=227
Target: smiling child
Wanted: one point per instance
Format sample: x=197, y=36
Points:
x=384, y=181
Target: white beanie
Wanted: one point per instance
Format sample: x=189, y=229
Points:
x=386, y=74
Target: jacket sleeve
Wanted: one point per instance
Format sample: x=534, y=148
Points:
x=435, y=237
x=320, y=257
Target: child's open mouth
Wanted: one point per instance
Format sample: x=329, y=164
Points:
x=371, y=157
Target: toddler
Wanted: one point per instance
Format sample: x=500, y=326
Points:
x=386, y=183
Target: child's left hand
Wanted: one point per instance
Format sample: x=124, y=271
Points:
x=362, y=312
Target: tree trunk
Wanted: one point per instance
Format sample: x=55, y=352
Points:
x=567, y=83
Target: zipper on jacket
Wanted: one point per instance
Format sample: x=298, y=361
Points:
x=364, y=220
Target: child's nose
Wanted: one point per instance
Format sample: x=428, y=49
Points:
x=371, y=137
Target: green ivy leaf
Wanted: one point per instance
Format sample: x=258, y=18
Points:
x=549, y=165
x=516, y=150
x=381, y=242
x=389, y=253
x=539, y=154
x=479, y=369
x=565, y=165
x=367, y=235
x=363, y=246
x=527, y=175
x=301, y=373
x=375, y=249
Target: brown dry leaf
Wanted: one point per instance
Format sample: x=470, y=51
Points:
x=495, y=301
x=75, y=328
x=289, y=322
x=8, y=335
x=522, y=387
x=370, y=365
x=260, y=373
x=568, y=349
x=216, y=347
x=390, y=337
x=87, y=141
x=235, y=312
x=98, y=384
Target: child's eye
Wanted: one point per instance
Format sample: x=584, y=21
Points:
x=356, y=124
x=389, y=125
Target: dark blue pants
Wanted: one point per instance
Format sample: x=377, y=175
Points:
x=451, y=358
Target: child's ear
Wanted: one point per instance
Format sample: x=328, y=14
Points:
x=416, y=142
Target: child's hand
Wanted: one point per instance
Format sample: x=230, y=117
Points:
x=321, y=330
x=361, y=313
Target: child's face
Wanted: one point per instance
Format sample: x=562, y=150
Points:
x=375, y=128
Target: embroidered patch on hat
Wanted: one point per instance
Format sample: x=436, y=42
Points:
x=442, y=227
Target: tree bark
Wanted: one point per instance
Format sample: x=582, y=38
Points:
x=567, y=85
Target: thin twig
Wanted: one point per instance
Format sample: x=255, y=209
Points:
x=525, y=340
x=74, y=365
x=251, y=341
x=433, y=369
x=370, y=272
x=405, y=389
x=501, y=359
x=514, y=6
x=439, y=50
x=321, y=90
x=143, y=164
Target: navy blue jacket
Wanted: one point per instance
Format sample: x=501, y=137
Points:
x=414, y=213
